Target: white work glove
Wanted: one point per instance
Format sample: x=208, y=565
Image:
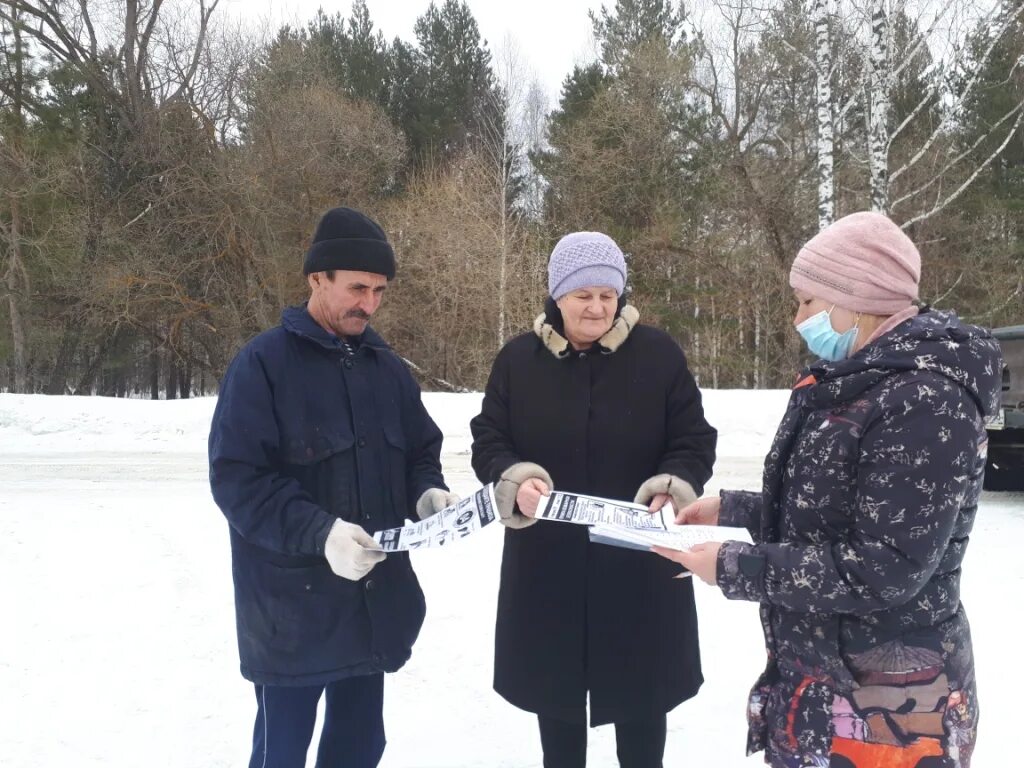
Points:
x=350, y=551
x=433, y=501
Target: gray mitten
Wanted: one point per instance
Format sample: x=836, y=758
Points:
x=682, y=492
x=433, y=501
x=507, y=487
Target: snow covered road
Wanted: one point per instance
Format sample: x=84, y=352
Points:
x=117, y=644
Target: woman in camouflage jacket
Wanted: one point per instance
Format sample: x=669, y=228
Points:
x=870, y=492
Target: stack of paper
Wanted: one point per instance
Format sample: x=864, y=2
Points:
x=633, y=526
x=680, y=537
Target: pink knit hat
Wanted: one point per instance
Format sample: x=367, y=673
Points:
x=863, y=262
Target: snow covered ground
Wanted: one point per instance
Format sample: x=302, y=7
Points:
x=117, y=643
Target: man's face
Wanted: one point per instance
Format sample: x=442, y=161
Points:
x=345, y=304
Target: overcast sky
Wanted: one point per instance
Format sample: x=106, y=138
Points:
x=551, y=35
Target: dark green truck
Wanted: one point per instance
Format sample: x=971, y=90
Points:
x=1005, y=468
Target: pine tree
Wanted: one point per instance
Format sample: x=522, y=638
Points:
x=460, y=97
x=353, y=53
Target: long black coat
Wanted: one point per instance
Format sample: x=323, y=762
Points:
x=574, y=616
x=305, y=432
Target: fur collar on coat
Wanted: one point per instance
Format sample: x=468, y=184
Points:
x=548, y=327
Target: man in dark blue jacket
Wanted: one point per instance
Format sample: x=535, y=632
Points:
x=320, y=438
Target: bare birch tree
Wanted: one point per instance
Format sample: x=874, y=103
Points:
x=937, y=46
x=934, y=48
x=512, y=128
x=505, y=151
x=825, y=148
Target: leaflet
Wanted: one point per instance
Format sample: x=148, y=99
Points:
x=634, y=526
x=458, y=521
x=681, y=537
x=593, y=510
x=617, y=523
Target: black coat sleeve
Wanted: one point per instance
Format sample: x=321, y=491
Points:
x=493, y=451
x=690, y=441
x=741, y=509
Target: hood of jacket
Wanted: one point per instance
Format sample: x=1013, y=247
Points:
x=934, y=340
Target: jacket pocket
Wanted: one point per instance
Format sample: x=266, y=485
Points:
x=305, y=605
x=397, y=465
x=314, y=446
x=324, y=465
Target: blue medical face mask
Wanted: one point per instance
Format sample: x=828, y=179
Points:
x=825, y=341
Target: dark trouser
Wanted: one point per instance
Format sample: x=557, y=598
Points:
x=353, y=732
x=639, y=743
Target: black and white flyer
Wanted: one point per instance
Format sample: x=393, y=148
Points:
x=450, y=524
x=633, y=526
x=593, y=510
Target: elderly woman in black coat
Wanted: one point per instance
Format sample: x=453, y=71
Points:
x=870, y=492
x=592, y=402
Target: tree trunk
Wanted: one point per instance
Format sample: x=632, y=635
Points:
x=772, y=229
x=88, y=379
x=758, y=384
x=185, y=380
x=15, y=265
x=879, y=107
x=108, y=384
x=714, y=342
x=61, y=371
x=826, y=141
x=154, y=372
x=172, y=377
x=503, y=249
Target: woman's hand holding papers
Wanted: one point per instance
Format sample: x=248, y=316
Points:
x=701, y=559
x=701, y=512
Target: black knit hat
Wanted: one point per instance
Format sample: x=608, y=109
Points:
x=348, y=239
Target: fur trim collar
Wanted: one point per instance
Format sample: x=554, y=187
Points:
x=559, y=346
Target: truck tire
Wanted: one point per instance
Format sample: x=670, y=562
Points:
x=1004, y=470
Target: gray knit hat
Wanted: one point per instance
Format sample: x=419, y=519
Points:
x=583, y=259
